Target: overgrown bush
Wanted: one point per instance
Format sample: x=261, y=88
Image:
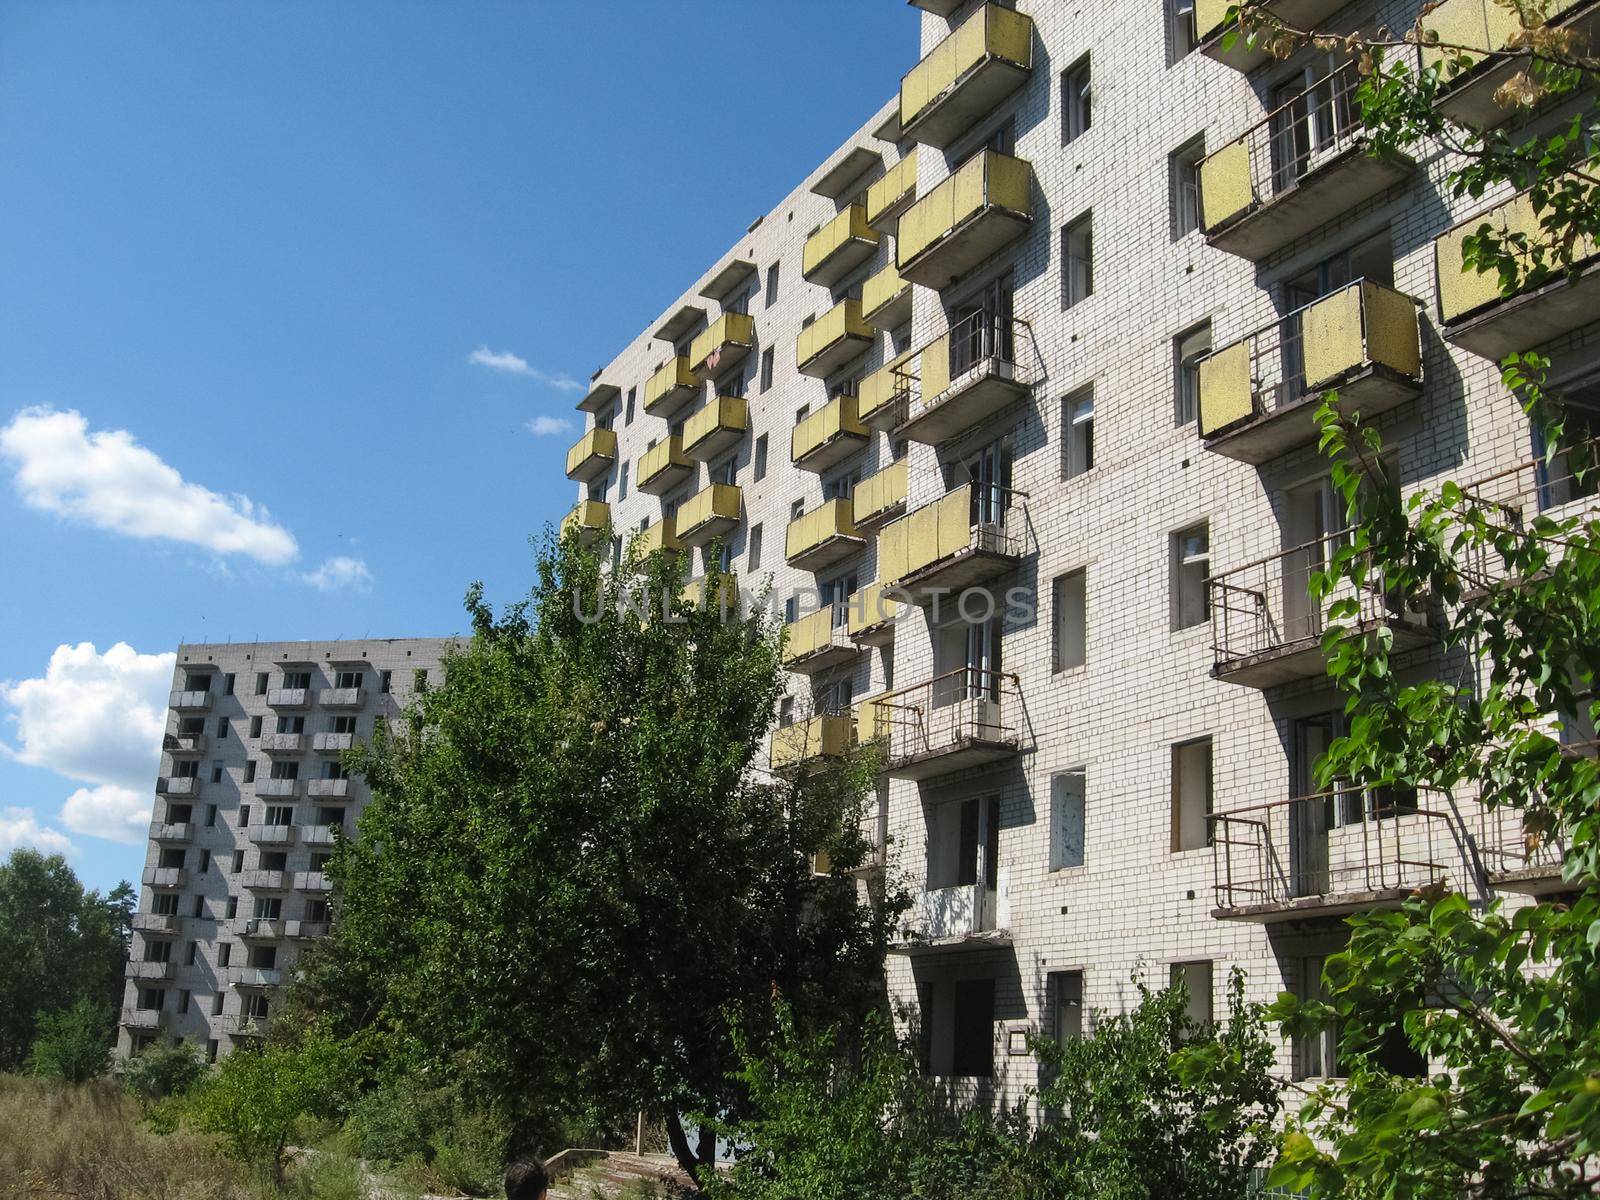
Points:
x=159, y=1072
x=435, y=1132
x=74, y=1046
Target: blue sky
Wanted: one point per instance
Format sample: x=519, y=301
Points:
x=247, y=252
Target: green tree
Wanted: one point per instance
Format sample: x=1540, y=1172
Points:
x=574, y=871
x=74, y=1045
x=158, y=1072
x=257, y=1097
x=59, y=944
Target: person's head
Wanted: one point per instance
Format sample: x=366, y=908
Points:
x=526, y=1179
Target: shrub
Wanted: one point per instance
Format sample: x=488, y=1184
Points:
x=74, y=1046
x=160, y=1072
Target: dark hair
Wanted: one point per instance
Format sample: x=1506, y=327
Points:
x=526, y=1179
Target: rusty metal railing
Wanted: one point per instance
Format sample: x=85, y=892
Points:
x=1345, y=842
x=950, y=711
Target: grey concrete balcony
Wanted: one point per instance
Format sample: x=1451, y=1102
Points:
x=259, y=929
x=313, y=881
x=288, y=697
x=183, y=743
x=308, y=930
x=149, y=922
x=178, y=785
x=265, y=881
x=322, y=835
x=179, y=833
x=348, y=697
x=328, y=789
x=270, y=835
x=280, y=743
x=190, y=701
x=240, y=1026
x=332, y=743
x=165, y=877
x=952, y=918
x=255, y=977
x=144, y=1020
x=276, y=789
x=151, y=971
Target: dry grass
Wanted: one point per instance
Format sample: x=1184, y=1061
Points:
x=87, y=1143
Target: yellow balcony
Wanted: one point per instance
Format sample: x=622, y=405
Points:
x=708, y=514
x=1212, y=24
x=660, y=538
x=601, y=396
x=723, y=344
x=589, y=518
x=817, y=642
x=882, y=398
x=873, y=612
x=873, y=720
x=964, y=78
x=664, y=466
x=839, y=247
x=965, y=377
x=880, y=496
x=893, y=194
x=715, y=427
x=1259, y=395
x=592, y=455
x=698, y=593
x=970, y=537
x=804, y=744
x=828, y=436
x=886, y=299
x=977, y=212
x=1478, y=318
x=1468, y=95
x=822, y=537
x=670, y=388
x=833, y=339
x=1294, y=171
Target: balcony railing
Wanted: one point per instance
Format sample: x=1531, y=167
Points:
x=270, y=835
x=262, y=880
x=660, y=538
x=975, y=213
x=241, y=1026
x=1212, y=26
x=191, y=700
x=670, y=388
x=835, y=338
x=322, y=835
x=329, y=789
x=288, y=697
x=592, y=455
x=276, y=789
x=1477, y=317
x=308, y=929
x=886, y=299
x=1259, y=395
x=839, y=247
x=881, y=496
x=828, y=436
x=279, y=743
x=1563, y=484
x=183, y=743
x=716, y=427
x=966, y=76
x=824, y=536
x=1519, y=857
x=313, y=881
x=172, y=833
x=806, y=743
x=664, y=466
x=873, y=612
x=332, y=743
x=259, y=929
x=1266, y=629
x=819, y=641
x=966, y=376
x=960, y=719
x=588, y=518
x=723, y=344
x=255, y=977
x=165, y=877
x=1334, y=852
x=710, y=513
x=1468, y=97
x=149, y=972
x=950, y=917
x=972, y=536
x=892, y=194
x=340, y=697
x=884, y=395
x=178, y=785
x=144, y=1019
x=1294, y=171
x=151, y=922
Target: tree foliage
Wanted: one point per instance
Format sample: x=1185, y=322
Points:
x=60, y=944
x=73, y=1045
x=574, y=872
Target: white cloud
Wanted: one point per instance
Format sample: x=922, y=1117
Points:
x=19, y=827
x=107, y=479
x=514, y=364
x=117, y=814
x=340, y=573
x=549, y=426
x=95, y=718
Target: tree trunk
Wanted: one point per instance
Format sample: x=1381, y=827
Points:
x=679, y=1141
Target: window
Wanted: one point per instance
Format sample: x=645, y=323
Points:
x=753, y=548
x=1196, y=979
x=232, y=909
x=197, y=681
x=216, y=1006
x=152, y=998
x=279, y=814
x=1066, y=819
x=1077, y=261
x=1066, y=1005
x=772, y=286
x=786, y=709
x=1077, y=433
x=627, y=412
x=622, y=482
x=186, y=770
x=1182, y=35
x=802, y=413
x=170, y=859
x=1183, y=166
x=333, y=770
x=972, y=1042
x=760, y=465
x=216, y=772
x=797, y=510
x=1316, y=1054
x=255, y=727
x=285, y=770
x=224, y=953
x=192, y=954
x=1191, y=565
x=288, y=724
x=222, y=727
x=238, y=855
x=1070, y=612
x=726, y=471
x=205, y=861
x=383, y=681
x=767, y=365
x=211, y=1047
x=1191, y=795
x=183, y=1000
x=158, y=951
x=261, y=683
x=227, y=685
x=791, y=610
x=211, y=816
x=1188, y=348
x=199, y=906
x=1076, y=110
x=250, y=772
x=349, y=679
x=345, y=724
